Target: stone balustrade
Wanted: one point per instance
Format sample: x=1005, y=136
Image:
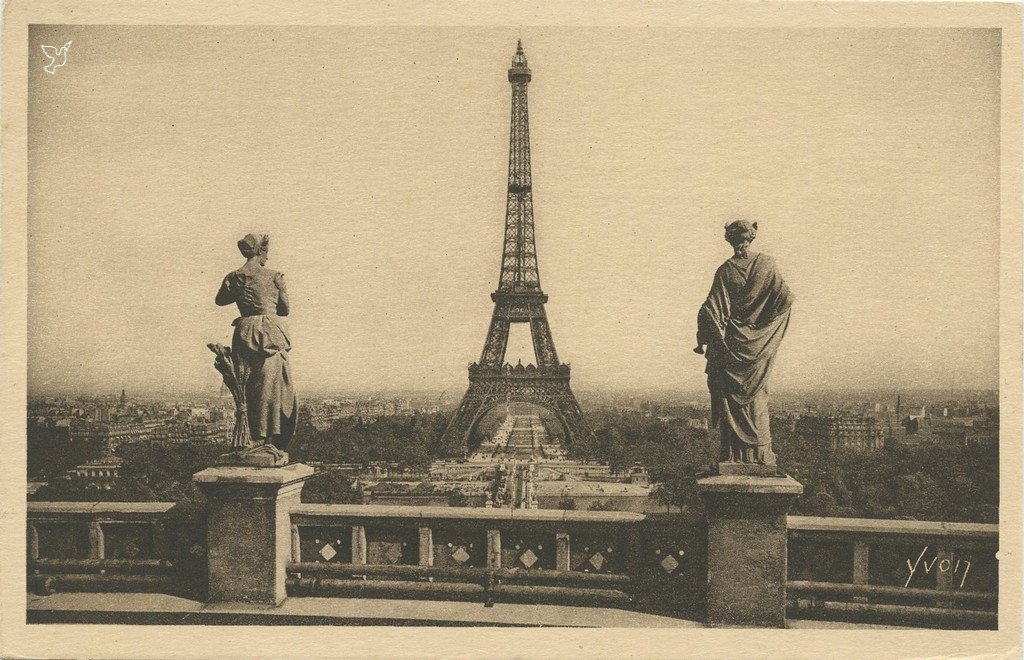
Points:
x=513, y=555
x=255, y=542
x=916, y=572
x=116, y=546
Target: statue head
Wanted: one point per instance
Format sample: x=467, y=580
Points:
x=255, y=245
x=740, y=234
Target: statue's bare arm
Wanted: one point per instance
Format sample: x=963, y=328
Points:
x=225, y=296
x=282, y=295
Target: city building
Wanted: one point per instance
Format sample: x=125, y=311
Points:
x=982, y=435
x=843, y=431
x=101, y=473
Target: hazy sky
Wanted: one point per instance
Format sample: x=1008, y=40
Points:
x=376, y=159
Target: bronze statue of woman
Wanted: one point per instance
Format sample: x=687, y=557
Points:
x=742, y=324
x=259, y=353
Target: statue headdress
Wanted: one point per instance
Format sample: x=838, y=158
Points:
x=254, y=244
x=740, y=230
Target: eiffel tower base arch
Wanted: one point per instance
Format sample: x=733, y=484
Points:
x=486, y=391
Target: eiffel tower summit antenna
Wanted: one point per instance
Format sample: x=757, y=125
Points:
x=518, y=299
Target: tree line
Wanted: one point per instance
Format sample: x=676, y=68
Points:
x=942, y=481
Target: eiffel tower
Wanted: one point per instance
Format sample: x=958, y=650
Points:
x=518, y=299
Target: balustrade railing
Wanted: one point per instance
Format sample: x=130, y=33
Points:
x=893, y=571
x=503, y=555
x=116, y=546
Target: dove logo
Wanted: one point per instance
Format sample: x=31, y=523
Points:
x=58, y=57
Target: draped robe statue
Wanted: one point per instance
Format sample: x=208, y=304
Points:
x=256, y=367
x=742, y=324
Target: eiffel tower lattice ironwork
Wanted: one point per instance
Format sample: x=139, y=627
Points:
x=518, y=299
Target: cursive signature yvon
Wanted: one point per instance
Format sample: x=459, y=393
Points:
x=944, y=565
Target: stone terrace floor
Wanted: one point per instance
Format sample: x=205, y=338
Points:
x=171, y=610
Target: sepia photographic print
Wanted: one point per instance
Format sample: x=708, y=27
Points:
x=672, y=330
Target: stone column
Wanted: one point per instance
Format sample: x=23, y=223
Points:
x=248, y=530
x=747, y=548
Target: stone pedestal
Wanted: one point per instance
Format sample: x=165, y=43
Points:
x=747, y=548
x=248, y=533
x=734, y=469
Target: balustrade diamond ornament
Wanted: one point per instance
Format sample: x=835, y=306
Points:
x=669, y=563
x=528, y=558
x=328, y=552
x=597, y=561
x=394, y=553
x=460, y=555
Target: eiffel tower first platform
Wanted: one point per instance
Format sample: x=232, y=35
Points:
x=518, y=299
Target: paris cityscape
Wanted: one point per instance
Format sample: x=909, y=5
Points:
x=375, y=448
